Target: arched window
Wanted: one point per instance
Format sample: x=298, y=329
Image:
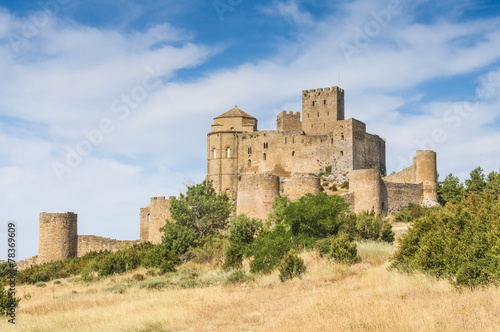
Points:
x=265, y=156
x=149, y=216
x=341, y=153
x=249, y=163
x=228, y=152
x=332, y=141
x=342, y=136
x=314, y=103
x=293, y=153
x=214, y=153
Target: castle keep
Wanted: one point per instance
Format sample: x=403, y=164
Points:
x=254, y=167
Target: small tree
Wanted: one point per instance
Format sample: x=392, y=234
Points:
x=450, y=190
x=476, y=181
x=292, y=266
x=202, y=209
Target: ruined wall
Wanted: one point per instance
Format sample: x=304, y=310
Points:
x=288, y=121
x=321, y=109
x=349, y=198
x=399, y=195
x=407, y=175
x=153, y=217
x=26, y=263
x=57, y=236
x=88, y=243
x=366, y=186
x=300, y=184
x=256, y=194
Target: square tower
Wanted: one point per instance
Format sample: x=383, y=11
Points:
x=321, y=109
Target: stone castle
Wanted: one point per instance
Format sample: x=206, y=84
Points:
x=254, y=167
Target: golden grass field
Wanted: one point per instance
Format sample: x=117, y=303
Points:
x=330, y=297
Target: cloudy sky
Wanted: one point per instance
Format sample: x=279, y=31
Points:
x=104, y=104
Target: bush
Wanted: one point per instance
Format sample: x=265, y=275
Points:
x=268, y=249
x=7, y=300
x=367, y=226
x=243, y=229
x=292, y=266
x=233, y=256
x=345, y=185
x=177, y=238
x=210, y=250
x=458, y=242
x=412, y=212
x=339, y=248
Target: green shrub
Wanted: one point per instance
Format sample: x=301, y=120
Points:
x=268, y=249
x=338, y=248
x=458, y=242
x=6, y=300
x=210, y=250
x=244, y=229
x=345, y=185
x=40, y=284
x=233, y=256
x=292, y=266
x=410, y=213
x=57, y=282
x=177, y=238
x=367, y=226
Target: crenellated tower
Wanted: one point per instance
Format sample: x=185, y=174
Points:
x=321, y=109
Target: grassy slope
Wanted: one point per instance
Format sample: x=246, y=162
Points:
x=364, y=297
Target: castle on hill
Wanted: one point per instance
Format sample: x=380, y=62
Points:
x=254, y=167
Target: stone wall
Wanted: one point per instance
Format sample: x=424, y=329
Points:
x=399, y=195
x=407, y=175
x=57, y=236
x=256, y=194
x=26, y=263
x=88, y=243
x=300, y=184
x=288, y=121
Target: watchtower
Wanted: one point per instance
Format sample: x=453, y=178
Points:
x=321, y=109
x=58, y=236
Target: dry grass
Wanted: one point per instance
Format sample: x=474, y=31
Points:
x=330, y=297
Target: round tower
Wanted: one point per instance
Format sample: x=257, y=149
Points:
x=222, y=149
x=427, y=174
x=300, y=184
x=366, y=186
x=58, y=236
x=256, y=193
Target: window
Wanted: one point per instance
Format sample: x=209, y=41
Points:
x=293, y=140
x=342, y=136
x=266, y=145
x=214, y=153
x=293, y=153
x=308, y=116
x=149, y=216
x=228, y=152
x=324, y=102
x=314, y=103
x=249, y=163
x=332, y=141
x=265, y=157
x=341, y=153
x=249, y=150
x=318, y=114
x=285, y=140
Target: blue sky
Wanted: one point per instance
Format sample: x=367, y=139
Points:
x=104, y=104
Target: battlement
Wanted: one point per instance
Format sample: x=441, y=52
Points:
x=319, y=90
x=159, y=198
x=288, y=121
